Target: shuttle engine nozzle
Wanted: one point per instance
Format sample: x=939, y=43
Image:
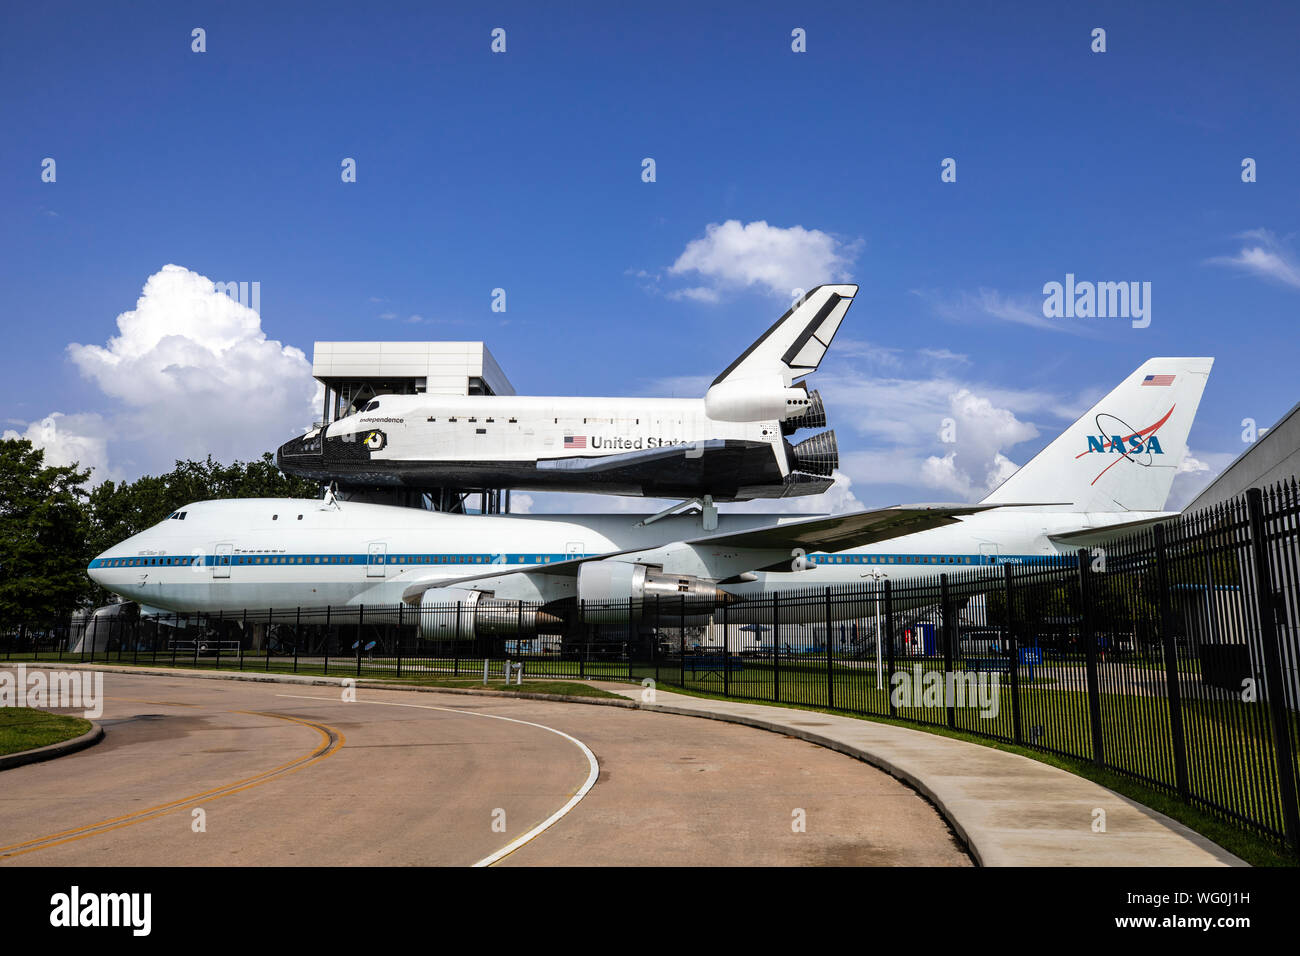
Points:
x=818, y=455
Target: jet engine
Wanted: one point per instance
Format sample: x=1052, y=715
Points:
x=755, y=400
x=612, y=592
x=463, y=614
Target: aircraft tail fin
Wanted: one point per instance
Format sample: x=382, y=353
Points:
x=1123, y=454
x=795, y=345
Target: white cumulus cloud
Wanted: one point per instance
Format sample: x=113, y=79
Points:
x=976, y=464
x=906, y=423
x=733, y=256
x=70, y=440
x=190, y=372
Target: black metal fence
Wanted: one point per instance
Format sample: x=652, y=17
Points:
x=1171, y=656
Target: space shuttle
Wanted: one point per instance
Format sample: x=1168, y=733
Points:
x=731, y=444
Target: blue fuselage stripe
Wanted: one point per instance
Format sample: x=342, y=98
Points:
x=531, y=558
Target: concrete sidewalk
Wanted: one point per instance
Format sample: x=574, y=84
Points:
x=1010, y=810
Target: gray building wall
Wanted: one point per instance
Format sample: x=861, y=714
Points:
x=1271, y=459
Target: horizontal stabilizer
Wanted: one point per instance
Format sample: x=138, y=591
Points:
x=1092, y=537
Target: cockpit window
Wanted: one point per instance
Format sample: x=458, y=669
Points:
x=371, y=406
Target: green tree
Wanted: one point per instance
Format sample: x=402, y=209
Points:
x=121, y=509
x=44, y=535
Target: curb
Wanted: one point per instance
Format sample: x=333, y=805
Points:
x=64, y=747
x=363, y=683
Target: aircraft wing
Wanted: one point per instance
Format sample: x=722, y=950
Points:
x=839, y=532
x=766, y=544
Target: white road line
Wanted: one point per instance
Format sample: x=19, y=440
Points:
x=592, y=773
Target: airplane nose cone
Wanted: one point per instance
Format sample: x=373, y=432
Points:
x=95, y=570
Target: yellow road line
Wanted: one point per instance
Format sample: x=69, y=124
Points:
x=331, y=740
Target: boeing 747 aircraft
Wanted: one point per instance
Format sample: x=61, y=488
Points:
x=1108, y=473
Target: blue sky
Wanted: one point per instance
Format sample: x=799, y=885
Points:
x=522, y=170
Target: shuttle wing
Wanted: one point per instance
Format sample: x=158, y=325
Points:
x=761, y=546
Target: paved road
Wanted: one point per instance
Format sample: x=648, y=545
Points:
x=289, y=774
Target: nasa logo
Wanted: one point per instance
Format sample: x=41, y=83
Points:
x=1116, y=437
x=1115, y=443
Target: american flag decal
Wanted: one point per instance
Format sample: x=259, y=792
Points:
x=1158, y=380
x=575, y=441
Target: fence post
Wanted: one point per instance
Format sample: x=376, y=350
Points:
x=1013, y=645
x=830, y=666
x=325, y=669
x=361, y=616
x=776, y=646
x=455, y=651
x=726, y=656
x=949, y=626
x=1088, y=634
x=1274, y=686
x=888, y=682
x=297, y=635
x=659, y=622
x=681, y=637
x=400, y=607
x=1171, y=664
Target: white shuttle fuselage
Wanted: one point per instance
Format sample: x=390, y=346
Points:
x=730, y=444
